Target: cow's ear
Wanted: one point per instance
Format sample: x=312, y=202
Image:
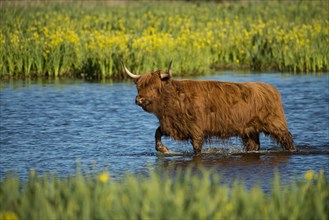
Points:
x=165, y=76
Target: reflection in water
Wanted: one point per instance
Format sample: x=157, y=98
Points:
x=249, y=168
x=240, y=159
x=222, y=163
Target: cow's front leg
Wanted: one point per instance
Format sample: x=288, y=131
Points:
x=197, y=146
x=158, y=144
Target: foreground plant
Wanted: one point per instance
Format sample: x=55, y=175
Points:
x=185, y=196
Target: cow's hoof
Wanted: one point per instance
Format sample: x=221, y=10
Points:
x=292, y=149
x=163, y=149
x=197, y=152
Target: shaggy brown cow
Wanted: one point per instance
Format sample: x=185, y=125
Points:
x=198, y=110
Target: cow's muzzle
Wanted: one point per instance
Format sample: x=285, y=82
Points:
x=141, y=101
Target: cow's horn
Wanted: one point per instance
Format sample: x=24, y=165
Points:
x=169, y=68
x=168, y=74
x=134, y=76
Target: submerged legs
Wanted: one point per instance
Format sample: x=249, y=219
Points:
x=158, y=144
x=285, y=139
x=251, y=142
x=197, y=146
x=196, y=142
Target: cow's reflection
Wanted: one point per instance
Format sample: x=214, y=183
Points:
x=251, y=162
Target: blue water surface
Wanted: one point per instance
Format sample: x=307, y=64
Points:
x=51, y=126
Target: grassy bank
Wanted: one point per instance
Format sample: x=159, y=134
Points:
x=89, y=39
x=156, y=197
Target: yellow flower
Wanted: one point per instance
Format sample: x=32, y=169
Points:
x=104, y=177
x=8, y=216
x=309, y=175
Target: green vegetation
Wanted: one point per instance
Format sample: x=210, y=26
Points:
x=184, y=196
x=89, y=38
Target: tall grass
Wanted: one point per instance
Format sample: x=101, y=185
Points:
x=185, y=196
x=89, y=39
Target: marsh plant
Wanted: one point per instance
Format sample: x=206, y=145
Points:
x=90, y=39
x=182, y=196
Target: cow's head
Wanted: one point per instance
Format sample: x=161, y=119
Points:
x=149, y=87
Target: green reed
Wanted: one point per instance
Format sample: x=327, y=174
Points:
x=185, y=196
x=89, y=39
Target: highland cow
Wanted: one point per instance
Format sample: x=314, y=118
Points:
x=198, y=110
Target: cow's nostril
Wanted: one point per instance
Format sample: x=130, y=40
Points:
x=139, y=100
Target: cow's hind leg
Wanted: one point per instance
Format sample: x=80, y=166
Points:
x=158, y=144
x=251, y=142
x=285, y=139
x=197, y=146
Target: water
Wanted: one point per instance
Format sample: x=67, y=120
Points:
x=50, y=127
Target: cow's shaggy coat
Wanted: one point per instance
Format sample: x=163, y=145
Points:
x=198, y=110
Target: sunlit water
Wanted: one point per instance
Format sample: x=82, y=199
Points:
x=50, y=127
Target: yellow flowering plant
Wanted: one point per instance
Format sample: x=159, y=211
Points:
x=63, y=40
